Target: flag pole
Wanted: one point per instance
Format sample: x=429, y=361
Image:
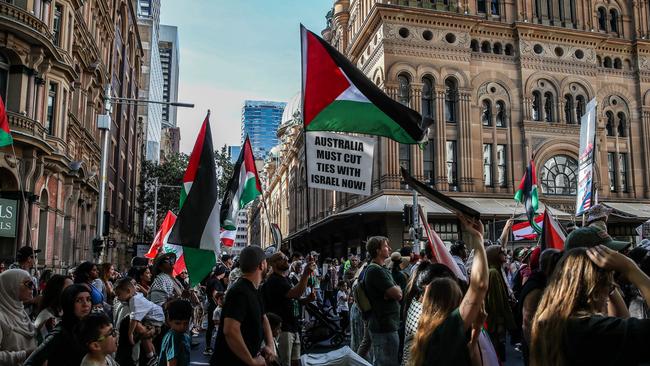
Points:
x=22, y=194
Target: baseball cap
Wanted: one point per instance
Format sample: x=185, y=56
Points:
x=25, y=252
x=251, y=257
x=592, y=236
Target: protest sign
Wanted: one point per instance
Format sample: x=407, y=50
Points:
x=339, y=162
x=584, y=199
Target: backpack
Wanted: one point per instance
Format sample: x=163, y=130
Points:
x=360, y=295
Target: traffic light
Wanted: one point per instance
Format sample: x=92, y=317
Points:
x=407, y=215
x=107, y=223
x=98, y=245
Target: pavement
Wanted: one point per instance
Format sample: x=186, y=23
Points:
x=196, y=354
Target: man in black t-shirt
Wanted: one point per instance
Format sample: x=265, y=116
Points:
x=283, y=299
x=243, y=323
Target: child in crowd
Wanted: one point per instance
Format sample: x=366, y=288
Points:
x=342, y=306
x=216, y=314
x=175, y=347
x=99, y=338
x=146, y=317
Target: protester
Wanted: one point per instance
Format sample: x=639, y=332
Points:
x=49, y=309
x=213, y=286
x=498, y=302
x=458, y=252
x=570, y=327
x=283, y=299
x=3, y=267
x=105, y=281
x=350, y=273
x=276, y=327
x=358, y=326
x=175, y=347
x=227, y=261
x=25, y=260
x=143, y=280
x=164, y=287
x=447, y=316
x=407, y=252
x=76, y=304
x=384, y=295
x=245, y=326
x=396, y=271
x=216, y=314
x=342, y=306
x=17, y=333
x=85, y=274
x=99, y=337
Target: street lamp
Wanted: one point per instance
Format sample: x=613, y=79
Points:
x=104, y=123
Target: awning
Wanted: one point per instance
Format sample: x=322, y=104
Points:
x=393, y=204
x=504, y=207
x=630, y=210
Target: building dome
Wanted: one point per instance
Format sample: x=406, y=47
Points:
x=292, y=110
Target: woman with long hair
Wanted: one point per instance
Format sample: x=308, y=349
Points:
x=61, y=347
x=104, y=282
x=85, y=274
x=49, y=309
x=579, y=320
x=443, y=336
x=498, y=302
x=143, y=280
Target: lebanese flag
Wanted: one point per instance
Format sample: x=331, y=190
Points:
x=228, y=237
x=160, y=244
x=5, y=134
x=553, y=235
x=197, y=225
x=523, y=230
x=336, y=96
x=439, y=249
x=243, y=187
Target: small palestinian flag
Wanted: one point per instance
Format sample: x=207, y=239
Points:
x=339, y=97
x=553, y=235
x=197, y=225
x=524, y=231
x=243, y=188
x=5, y=134
x=527, y=194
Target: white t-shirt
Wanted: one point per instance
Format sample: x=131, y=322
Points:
x=342, y=301
x=216, y=316
x=88, y=362
x=143, y=309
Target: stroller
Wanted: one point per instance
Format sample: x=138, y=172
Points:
x=324, y=327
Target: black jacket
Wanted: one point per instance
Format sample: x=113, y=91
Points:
x=60, y=348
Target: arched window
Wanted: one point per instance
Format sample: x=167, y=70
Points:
x=404, y=93
x=494, y=8
x=613, y=20
x=508, y=51
x=405, y=156
x=622, y=124
x=451, y=99
x=568, y=109
x=559, y=176
x=485, y=47
x=609, y=126
x=427, y=97
x=618, y=64
x=474, y=46
x=602, y=19
x=580, y=108
x=4, y=77
x=548, y=107
x=486, y=113
x=480, y=6
x=536, y=106
x=501, y=114
x=498, y=48
x=607, y=63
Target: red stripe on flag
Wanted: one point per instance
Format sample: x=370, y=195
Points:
x=249, y=163
x=195, y=157
x=161, y=235
x=440, y=252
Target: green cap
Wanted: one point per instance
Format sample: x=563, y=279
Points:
x=588, y=237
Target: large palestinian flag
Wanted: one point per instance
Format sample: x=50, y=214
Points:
x=339, y=97
x=197, y=225
x=527, y=194
x=243, y=188
x=5, y=135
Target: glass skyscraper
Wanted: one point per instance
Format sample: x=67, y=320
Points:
x=260, y=121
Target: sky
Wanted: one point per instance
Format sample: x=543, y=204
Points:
x=233, y=50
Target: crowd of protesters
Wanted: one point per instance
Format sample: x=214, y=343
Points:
x=585, y=304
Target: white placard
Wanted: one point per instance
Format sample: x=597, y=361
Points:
x=339, y=162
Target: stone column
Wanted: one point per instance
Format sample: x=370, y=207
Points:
x=440, y=139
x=465, y=178
x=645, y=149
x=417, y=167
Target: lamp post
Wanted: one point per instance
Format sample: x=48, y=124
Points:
x=104, y=124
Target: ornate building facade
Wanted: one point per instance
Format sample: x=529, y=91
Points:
x=55, y=59
x=503, y=80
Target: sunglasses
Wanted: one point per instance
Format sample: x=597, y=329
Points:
x=29, y=284
x=112, y=333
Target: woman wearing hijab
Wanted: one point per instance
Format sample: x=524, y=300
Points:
x=17, y=333
x=61, y=347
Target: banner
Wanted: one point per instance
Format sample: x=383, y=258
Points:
x=8, y=213
x=339, y=162
x=584, y=199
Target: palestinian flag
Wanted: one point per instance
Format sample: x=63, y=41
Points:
x=524, y=231
x=160, y=244
x=553, y=235
x=5, y=134
x=339, y=97
x=197, y=225
x=243, y=188
x=527, y=194
x=439, y=249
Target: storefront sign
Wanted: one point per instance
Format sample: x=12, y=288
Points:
x=339, y=162
x=8, y=214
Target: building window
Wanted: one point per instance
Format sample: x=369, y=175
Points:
x=501, y=114
x=622, y=168
x=427, y=97
x=621, y=124
x=4, y=77
x=51, y=108
x=452, y=162
x=487, y=165
x=580, y=108
x=502, y=168
x=559, y=176
x=613, y=20
x=404, y=89
x=536, y=106
x=609, y=126
x=495, y=7
x=474, y=45
x=56, y=24
x=451, y=99
x=548, y=107
x=568, y=108
x=611, y=170
x=602, y=19
x=405, y=156
x=446, y=231
x=486, y=113
x=481, y=6
x=428, y=161
x=485, y=47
